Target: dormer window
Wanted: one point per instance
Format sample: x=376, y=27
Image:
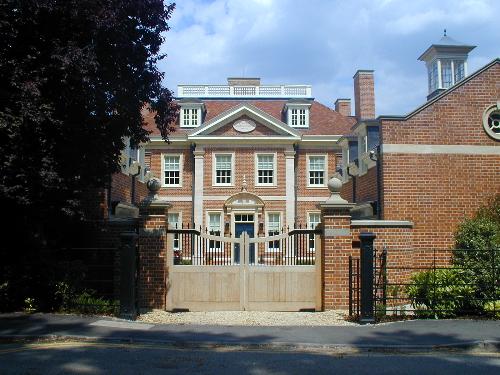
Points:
x=190, y=115
x=298, y=115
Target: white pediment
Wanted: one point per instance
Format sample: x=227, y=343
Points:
x=245, y=117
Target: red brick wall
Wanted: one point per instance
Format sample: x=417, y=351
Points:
x=366, y=187
x=336, y=249
x=364, y=95
x=437, y=191
x=260, y=130
x=95, y=201
x=121, y=187
x=152, y=259
x=244, y=165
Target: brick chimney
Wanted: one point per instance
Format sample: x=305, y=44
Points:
x=364, y=95
x=343, y=106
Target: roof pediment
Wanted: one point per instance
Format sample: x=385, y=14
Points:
x=244, y=120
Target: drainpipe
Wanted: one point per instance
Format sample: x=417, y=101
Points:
x=295, y=167
x=132, y=190
x=375, y=156
x=353, y=185
x=192, y=148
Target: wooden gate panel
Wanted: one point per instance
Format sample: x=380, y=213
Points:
x=244, y=286
x=205, y=288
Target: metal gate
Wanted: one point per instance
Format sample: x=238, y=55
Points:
x=208, y=272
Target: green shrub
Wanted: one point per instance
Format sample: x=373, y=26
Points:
x=493, y=308
x=441, y=293
x=477, y=241
x=87, y=303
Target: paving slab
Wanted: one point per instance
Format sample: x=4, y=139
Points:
x=397, y=335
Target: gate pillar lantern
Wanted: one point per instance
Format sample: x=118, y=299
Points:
x=336, y=247
x=152, y=272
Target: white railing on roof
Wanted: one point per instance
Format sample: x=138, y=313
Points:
x=223, y=91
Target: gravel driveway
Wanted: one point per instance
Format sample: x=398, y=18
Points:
x=248, y=318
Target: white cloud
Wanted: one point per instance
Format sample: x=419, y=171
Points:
x=323, y=43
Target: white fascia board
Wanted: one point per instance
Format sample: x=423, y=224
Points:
x=159, y=139
x=242, y=140
x=320, y=138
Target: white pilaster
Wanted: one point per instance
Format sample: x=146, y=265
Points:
x=290, y=187
x=199, y=161
x=440, y=78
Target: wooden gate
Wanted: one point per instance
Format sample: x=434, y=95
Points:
x=206, y=273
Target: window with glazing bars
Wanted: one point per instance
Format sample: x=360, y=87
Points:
x=273, y=229
x=194, y=117
x=459, y=70
x=316, y=170
x=173, y=223
x=214, y=229
x=313, y=220
x=294, y=117
x=185, y=117
x=223, y=169
x=172, y=167
x=302, y=117
x=446, y=73
x=265, y=169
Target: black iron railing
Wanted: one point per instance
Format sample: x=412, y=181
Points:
x=434, y=284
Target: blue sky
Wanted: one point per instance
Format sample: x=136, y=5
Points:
x=323, y=43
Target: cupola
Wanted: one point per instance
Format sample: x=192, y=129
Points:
x=446, y=63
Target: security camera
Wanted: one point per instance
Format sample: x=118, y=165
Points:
x=373, y=155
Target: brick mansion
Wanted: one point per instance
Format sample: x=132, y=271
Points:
x=254, y=157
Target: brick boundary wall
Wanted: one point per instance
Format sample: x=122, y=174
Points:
x=152, y=257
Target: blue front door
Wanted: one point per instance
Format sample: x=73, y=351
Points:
x=239, y=228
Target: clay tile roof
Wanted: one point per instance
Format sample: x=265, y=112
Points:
x=322, y=120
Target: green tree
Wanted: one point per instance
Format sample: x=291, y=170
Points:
x=75, y=75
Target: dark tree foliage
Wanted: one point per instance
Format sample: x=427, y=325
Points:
x=74, y=77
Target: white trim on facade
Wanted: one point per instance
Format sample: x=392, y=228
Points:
x=381, y=223
x=199, y=173
x=312, y=199
x=440, y=149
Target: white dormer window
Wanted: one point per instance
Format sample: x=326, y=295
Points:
x=190, y=115
x=298, y=115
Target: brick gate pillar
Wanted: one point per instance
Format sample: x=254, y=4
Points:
x=336, y=247
x=152, y=271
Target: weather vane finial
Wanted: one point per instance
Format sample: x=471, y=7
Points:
x=444, y=32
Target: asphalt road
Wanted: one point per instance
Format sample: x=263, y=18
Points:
x=73, y=357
